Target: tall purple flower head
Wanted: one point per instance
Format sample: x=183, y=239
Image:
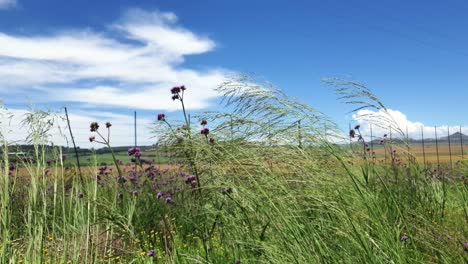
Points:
x=176, y=90
x=203, y=122
x=175, y=97
x=190, y=178
x=133, y=151
x=151, y=253
x=205, y=131
x=404, y=238
x=183, y=88
x=161, y=117
x=211, y=140
x=160, y=194
x=94, y=126
x=108, y=124
x=352, y=133
x=193, y=184
x=169, y=200
x=357, y=127
x=92, y=138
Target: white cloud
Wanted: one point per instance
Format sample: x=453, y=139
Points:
x=131, y=65
x=4, y=4
x=383, y=122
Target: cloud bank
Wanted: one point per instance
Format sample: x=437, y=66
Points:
x=383, y=122
x=130, y=65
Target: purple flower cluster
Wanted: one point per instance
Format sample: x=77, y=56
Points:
x=192, y=180
x=134, y=152
x=161, y=117
x=205, y=131
x=94, y=126
x=176, y=92
x=151, y=253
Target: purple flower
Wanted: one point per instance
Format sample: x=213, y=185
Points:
x=357, y=127
x=151, y=253
x=190, y=178
x=80, y=195
x=352, y=133
x=175, y=97
x=133, y=151
x=169, y=200
x=161, y=117
x=183, y=88
x=205, y=131
x=193, y=184
x=176, y=90
x=160, y=194
x=133, y=192
x=203, y=122
x=108, y=124
x=92, y=138
x=94, y=126
x=211, y=140
x=404, y=238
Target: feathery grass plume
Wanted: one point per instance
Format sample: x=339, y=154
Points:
x=261, y=112
x=357, y=94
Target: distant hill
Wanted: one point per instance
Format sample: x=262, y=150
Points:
x=455, y=138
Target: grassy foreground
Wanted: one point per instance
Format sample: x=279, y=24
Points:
x=250, y=190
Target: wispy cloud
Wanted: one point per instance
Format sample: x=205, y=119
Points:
x=130, y=65
x=5, y=4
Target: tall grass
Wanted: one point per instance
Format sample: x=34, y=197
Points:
x=258, y=188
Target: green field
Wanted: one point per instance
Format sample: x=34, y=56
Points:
x=240, y=192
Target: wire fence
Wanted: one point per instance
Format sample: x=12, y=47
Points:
x=438, y=145
x=427, y=145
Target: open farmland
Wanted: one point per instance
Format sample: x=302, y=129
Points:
x=217, y=197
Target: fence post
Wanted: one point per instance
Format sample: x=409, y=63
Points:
x=461, y=143
x=423, y=147
x=135, y=127
x=437, y=147
x=450, y=147
x=299, y=134
x=371, y=141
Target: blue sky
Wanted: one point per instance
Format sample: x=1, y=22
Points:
x=115, y=56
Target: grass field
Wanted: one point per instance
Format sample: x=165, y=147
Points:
x=238, y=192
